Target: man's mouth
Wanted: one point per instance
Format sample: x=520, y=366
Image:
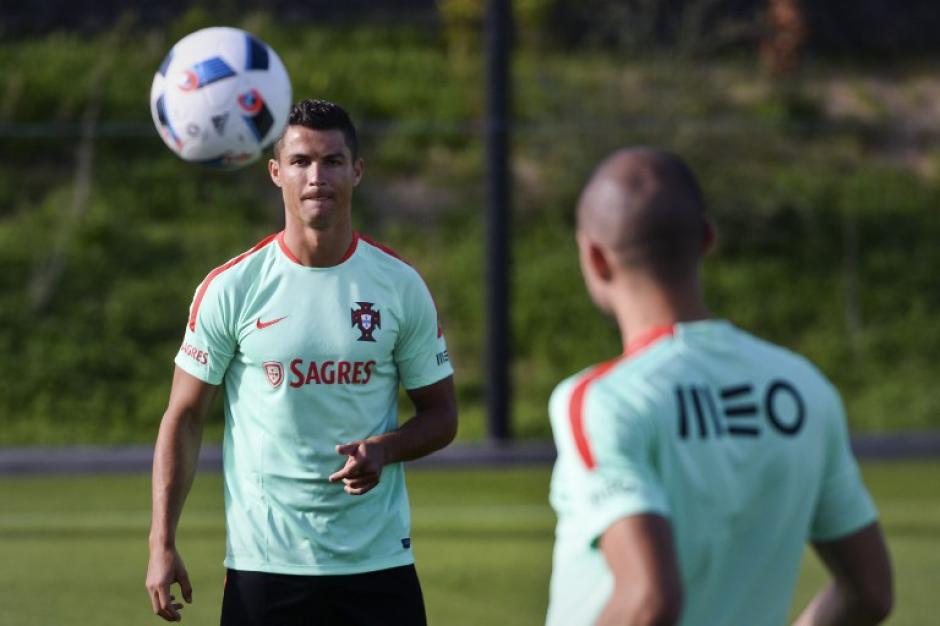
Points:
x=317, y=196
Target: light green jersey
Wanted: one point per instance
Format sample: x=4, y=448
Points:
x=741, y=444
x=311, y=358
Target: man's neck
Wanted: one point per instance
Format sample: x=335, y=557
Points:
x=639, y=312
x=318, y=247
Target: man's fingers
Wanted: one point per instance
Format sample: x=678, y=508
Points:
x=358, y=491
x=165, y=607
x=361, y=480
x=171, y=612
x=163, y=596
x=347, y=448
x=341, y=474
x=359, y=486
x=351, y=469
x=355, y=471
x=155, y=601
x=358, y=467
x=185, y=586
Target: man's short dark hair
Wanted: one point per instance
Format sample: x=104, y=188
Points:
x=321, y=115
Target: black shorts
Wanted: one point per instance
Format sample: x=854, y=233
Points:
x=389, y=597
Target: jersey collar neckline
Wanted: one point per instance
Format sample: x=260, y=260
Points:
x=290, y=255
x=647, y=338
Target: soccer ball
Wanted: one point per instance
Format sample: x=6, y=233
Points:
x=220, y=97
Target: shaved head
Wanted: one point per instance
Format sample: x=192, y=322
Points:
x=646, y=207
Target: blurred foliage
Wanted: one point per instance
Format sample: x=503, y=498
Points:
x=827, y=244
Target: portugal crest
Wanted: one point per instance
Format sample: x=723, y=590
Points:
x=274, y=372
x=366, y=319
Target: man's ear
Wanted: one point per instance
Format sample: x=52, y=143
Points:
x=594, y=258
x=601, y=264
x=274, y=169
x=359, y=166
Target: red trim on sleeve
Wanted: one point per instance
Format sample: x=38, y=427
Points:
x=392, y=253
x=200, y=294
x=576, y=403
x=576, y=411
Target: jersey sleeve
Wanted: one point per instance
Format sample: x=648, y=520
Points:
x=210, y=340
x=623, y=480
x=844, y=504
x=421, y=352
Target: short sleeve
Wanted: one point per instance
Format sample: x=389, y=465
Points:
x=624, y=480
x=844, y=504
x=421, y=352
x=209, y=343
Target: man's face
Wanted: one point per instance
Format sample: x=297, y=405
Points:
x=316, y=173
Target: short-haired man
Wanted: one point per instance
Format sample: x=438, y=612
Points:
x=693, y=469
x=311, y=332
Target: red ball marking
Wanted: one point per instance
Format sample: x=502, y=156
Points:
x=251, y=101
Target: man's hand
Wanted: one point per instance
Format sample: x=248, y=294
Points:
x=363, y=468
x=165, y=568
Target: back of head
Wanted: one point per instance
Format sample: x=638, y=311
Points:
x=647, y=208
x=321, y=115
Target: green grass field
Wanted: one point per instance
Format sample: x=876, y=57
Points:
x=73, y=549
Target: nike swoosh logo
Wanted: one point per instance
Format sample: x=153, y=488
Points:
x=259, y=324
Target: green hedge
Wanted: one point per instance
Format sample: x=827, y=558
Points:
x=825, y=247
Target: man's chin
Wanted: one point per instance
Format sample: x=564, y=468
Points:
x=320, y=218
x=316, y=207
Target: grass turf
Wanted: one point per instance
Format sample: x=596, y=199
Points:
x=73, y=549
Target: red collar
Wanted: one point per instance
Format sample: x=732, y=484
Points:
x=648, y=338
x=290, y=255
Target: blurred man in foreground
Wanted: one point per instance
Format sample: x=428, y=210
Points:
x=693, y=468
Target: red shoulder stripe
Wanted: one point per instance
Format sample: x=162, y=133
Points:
x=383, y=248
x=576, y=403
x=392, y=253
x=576, y=411
x=201, y=293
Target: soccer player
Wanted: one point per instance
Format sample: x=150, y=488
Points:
x=310, y=332
x=693, y=469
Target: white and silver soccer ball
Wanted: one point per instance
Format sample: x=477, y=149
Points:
x=220, y=97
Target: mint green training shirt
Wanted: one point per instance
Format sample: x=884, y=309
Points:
x=741, y=444
x=311, y=358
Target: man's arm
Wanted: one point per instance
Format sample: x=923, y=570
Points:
x=433, y=426
x=174, y=467
x=647, y=588
x=861, y=591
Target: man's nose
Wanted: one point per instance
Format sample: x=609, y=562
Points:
x=315, y=174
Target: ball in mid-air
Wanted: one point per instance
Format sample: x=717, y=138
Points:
x=220, y=97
